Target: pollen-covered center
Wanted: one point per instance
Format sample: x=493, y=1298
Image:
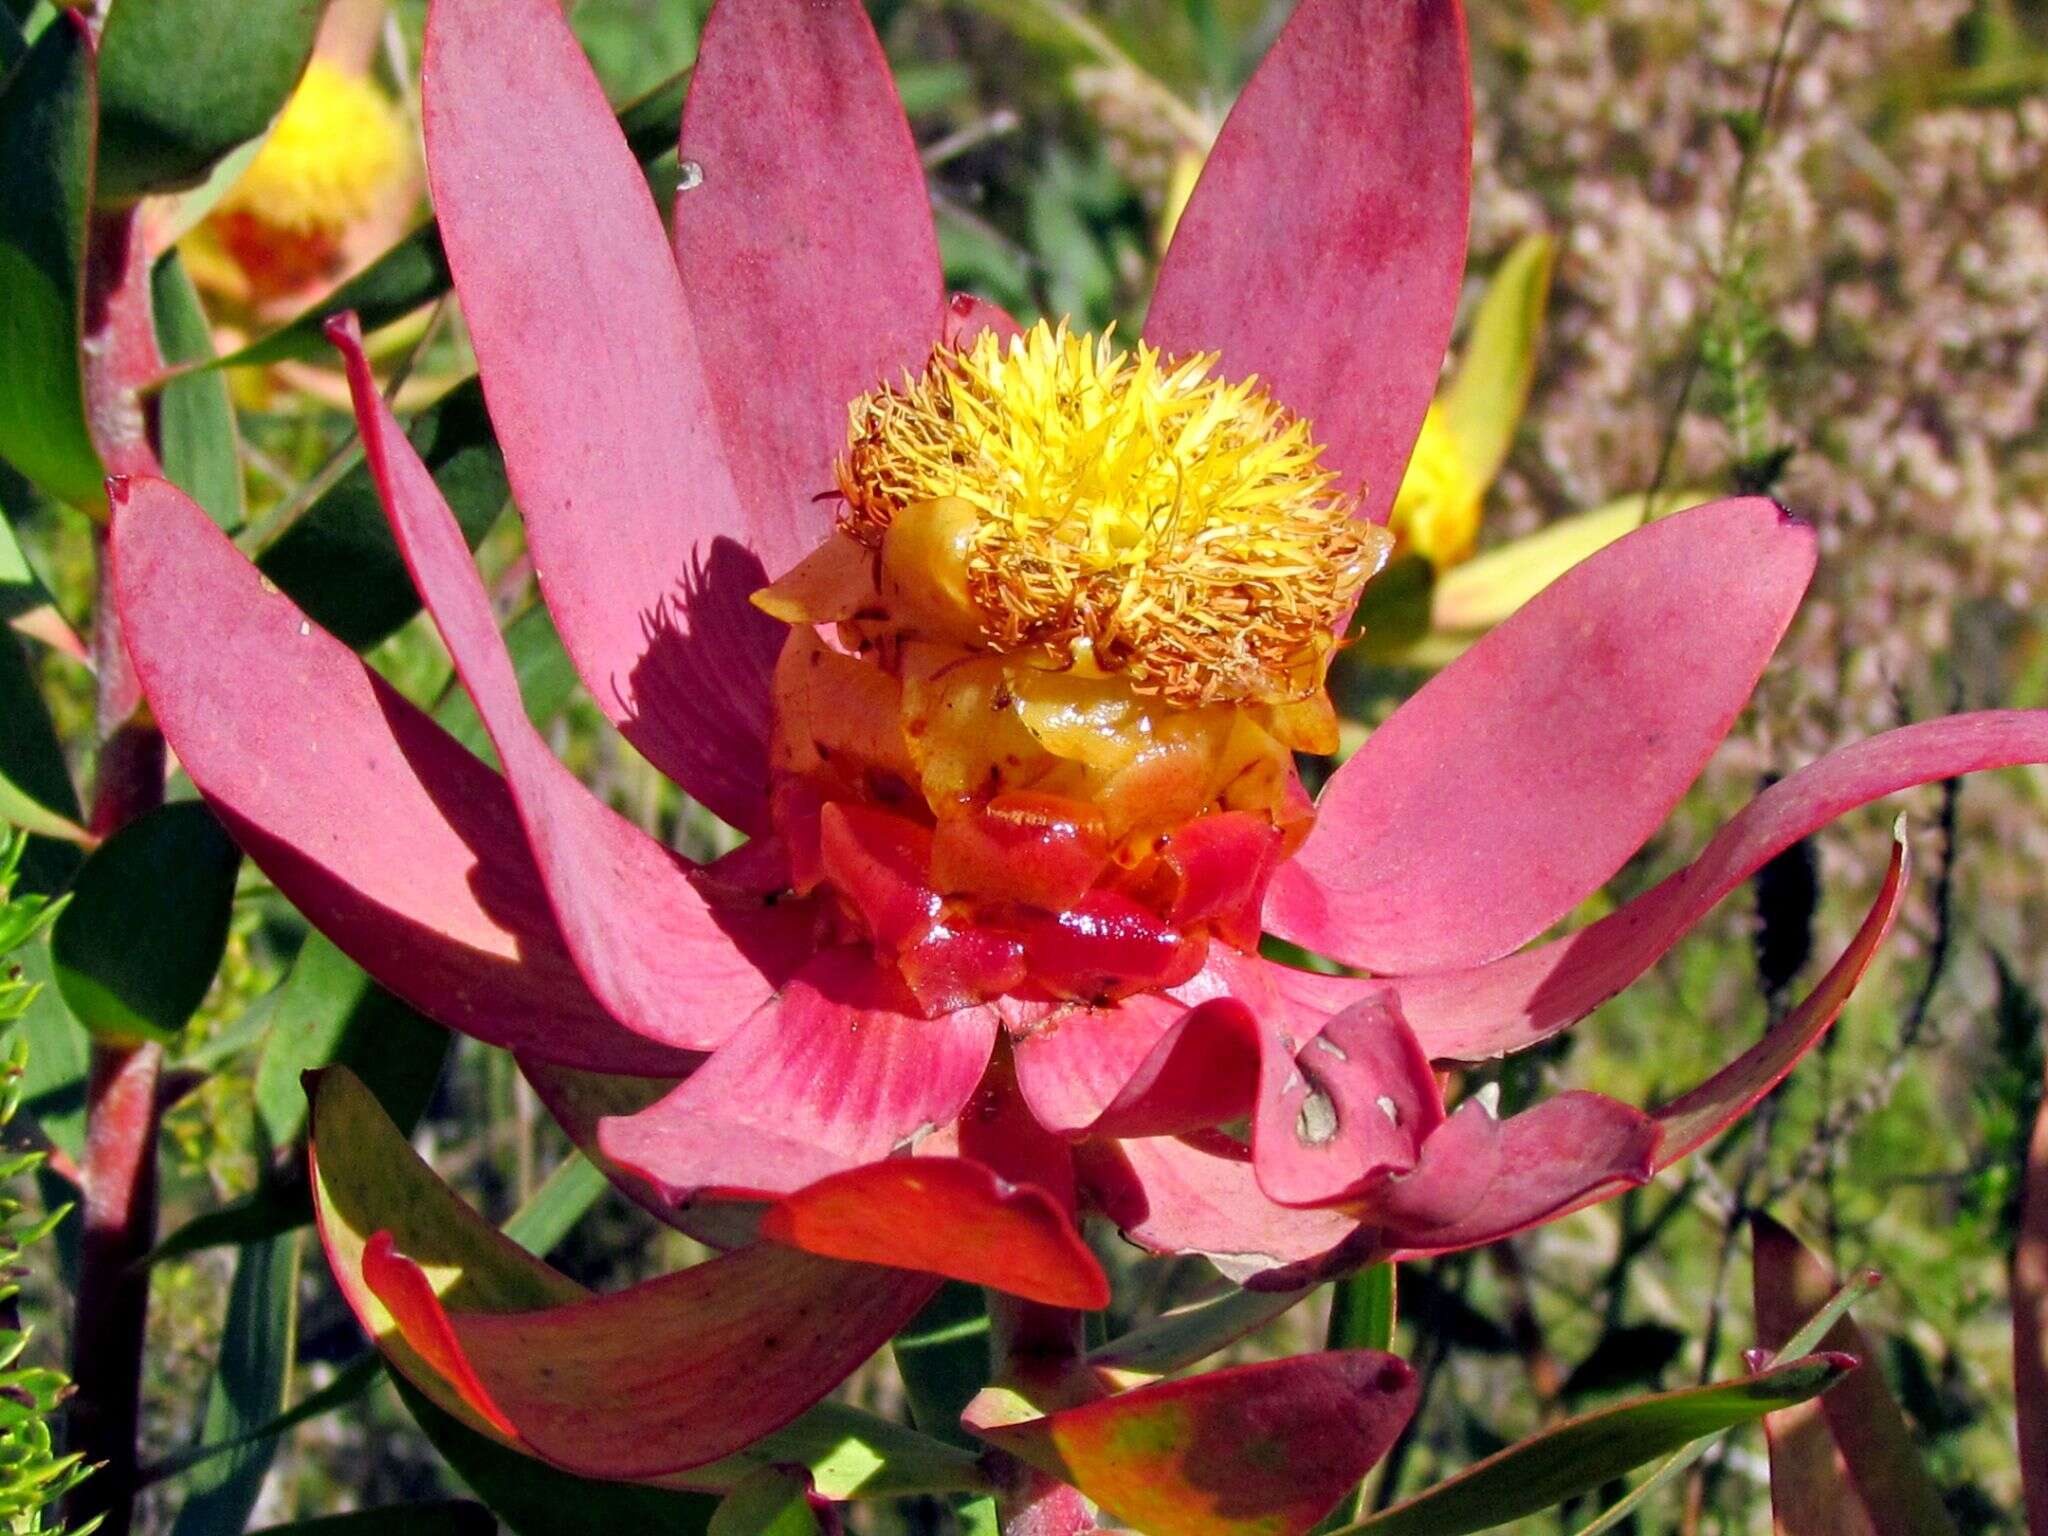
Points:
x=1138, y=514
x=1036, y=719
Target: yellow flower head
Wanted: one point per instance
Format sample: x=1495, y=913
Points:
x=337, y=147
x=1128, y=511
x=1436, y=511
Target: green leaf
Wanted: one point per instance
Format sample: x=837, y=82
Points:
x=329, y=1012
x=769, y=1503
x=183, y=82
x=148, y=921
x=195, y=417
x=1801, y=1343
x=59, y=1055
x=339, y=561
x=1193, y=1333
x=1483, y=405
x=943, y=1357
x=35, y=784
x=1581, y=1454
x=13, y=41
x=442, y=1517
x=1393, y=611
x=248, y=1388
x=1363, y=1309
x=560, y=1202
x=414, y=272
x=47, y=111
x=350, y=1383
x=1475, y=596
x=266, y=1212
x=547, y=682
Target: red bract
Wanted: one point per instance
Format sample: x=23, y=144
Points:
x=827, y=1019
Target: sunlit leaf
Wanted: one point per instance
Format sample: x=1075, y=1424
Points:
x=1473, y=597
x=769, y=1503
x=1483, y=405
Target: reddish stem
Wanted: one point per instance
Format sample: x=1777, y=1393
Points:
x=121, y=1103
x=113, y=1289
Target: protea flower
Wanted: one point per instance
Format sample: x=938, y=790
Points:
x=998, y=646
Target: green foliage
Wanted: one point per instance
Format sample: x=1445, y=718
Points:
x=32, y=1475
x=48, y=106
x=138, y=947
x=184, y=82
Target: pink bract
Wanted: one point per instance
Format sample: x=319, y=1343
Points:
x=669, y=408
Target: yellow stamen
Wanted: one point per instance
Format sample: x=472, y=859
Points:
x=337, y=147
x=1436, y=511
x=1129, y=513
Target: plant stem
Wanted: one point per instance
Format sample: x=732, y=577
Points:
x=122, y=1103
x=113, y=1289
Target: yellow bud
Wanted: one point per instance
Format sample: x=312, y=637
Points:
x=1436, y=511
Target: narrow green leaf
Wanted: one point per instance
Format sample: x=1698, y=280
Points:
x=1483, y=405
x=1363, y=1310
x=248, y=1388
x=195, y=417
x=535, y=1499
x=1801, y=1343
x=442, y=1517
x=1193, y=1333
x=769, y=1503
x=266, y=1212
x=944, y=1360
x=36, y=792
x=1475, y=596
x=414, y=272
x=1857, y=1451
x=560, y=1202
x=350, y=1383
x=329, y=1012
x=183, y=82
x=1583, y=1453
x=339, y=561
x=47, y=111
x=13, y=41
x=148, y=921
